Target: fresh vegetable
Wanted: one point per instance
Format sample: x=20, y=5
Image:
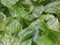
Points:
x=29, y=22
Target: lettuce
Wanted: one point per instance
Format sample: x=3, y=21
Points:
x=29, y=22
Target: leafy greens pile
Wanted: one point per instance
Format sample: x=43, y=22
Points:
x=30, y=22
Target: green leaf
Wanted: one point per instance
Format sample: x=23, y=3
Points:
x=51, y=21
x=8, y=3
x=30, y=22
x=37, y=10
x=26, y=34
x=57, y=11
x=2, y=21
x=16, y=12
x=49, y=8
x=14, y=40
x=2, y=27
x=2, y=17
x=6, y=39
x=43, y=41
x=27, y=42
x=36, y=34
x=8, y=20
x=27, y=2
x=14, y=27
x=56, y=33
x=39, y=24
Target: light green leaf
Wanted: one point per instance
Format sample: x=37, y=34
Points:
x=51, y=21
x=8, y=3
x=49, y=8
x=20, y=13
x=27, y=42
x=43, y=41
x=37, y=10
x=14, y=27
x=26, y=34
x=2, y=17
x=39, y=24
x=27, y=2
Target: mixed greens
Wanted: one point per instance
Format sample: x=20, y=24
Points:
x=30, y=22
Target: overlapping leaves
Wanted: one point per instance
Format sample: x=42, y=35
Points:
x=30, y=22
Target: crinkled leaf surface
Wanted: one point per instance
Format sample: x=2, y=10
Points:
x=37, y=11
x=51, y=21
x=13, y=27
x=8, y=3
x=50, y=7
x=30, y=22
